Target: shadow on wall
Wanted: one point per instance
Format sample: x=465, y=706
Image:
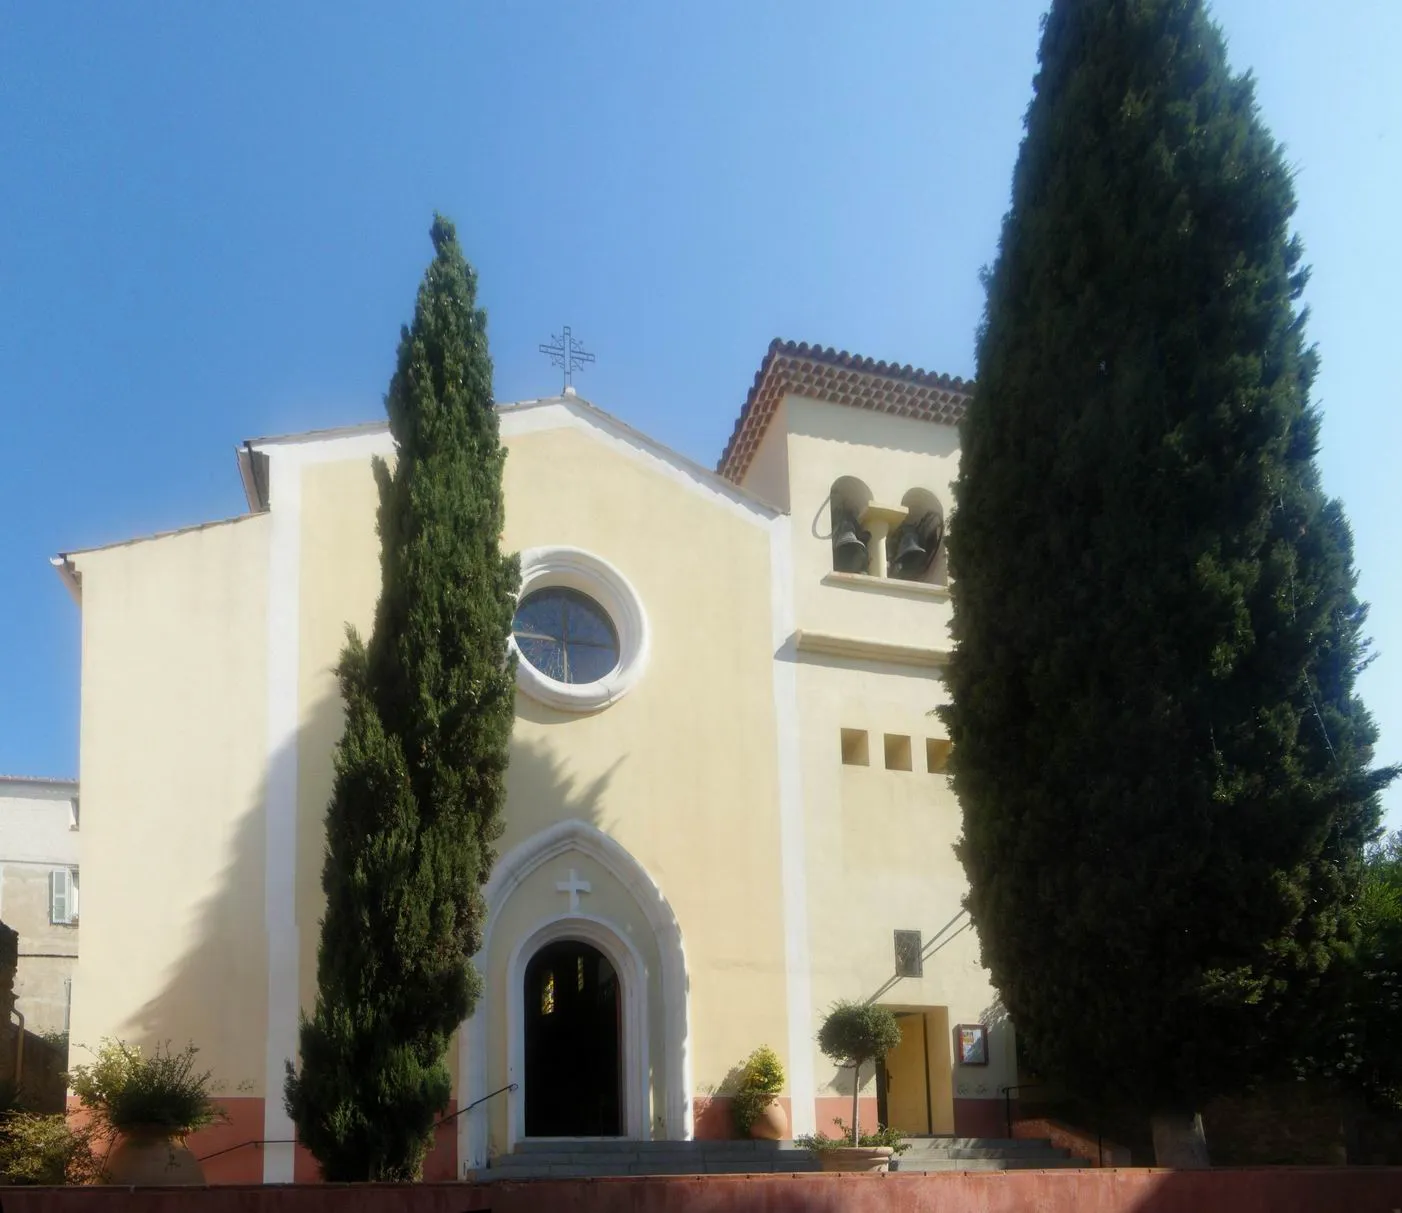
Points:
x=217, y=990
x=540, y=791
x=1058, y=1191
x=1299, y=1190
x=216, y=993
x=973, y=1082
x=941, y=939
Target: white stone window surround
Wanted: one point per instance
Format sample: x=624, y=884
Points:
x=576, y=569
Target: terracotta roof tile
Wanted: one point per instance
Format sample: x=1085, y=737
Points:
x=838, y=377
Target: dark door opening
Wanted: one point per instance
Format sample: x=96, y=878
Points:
x=573, y=1029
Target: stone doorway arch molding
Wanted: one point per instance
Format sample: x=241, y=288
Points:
x=483, y=1031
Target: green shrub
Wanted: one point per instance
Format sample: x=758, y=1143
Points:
x=884, y=1136
x=45, y=1150
x=760, y=1082
x=124, y=1088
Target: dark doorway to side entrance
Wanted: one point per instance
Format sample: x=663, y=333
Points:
x=573, y=1029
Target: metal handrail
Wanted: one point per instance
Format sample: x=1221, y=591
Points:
x=511, y=1086
x=253, y=1141
x=289, y=1141
x=1007, y=1093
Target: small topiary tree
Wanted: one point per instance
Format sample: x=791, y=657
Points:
x=853, y=1034
x=760, y=1084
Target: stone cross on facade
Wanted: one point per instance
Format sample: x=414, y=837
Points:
x=574, y=887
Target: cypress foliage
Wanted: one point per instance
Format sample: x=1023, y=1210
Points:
x=421, y=766
x=1164, y=770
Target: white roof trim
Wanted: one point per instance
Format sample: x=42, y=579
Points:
x=523, y=417
x=38, y=786
x=573, y=412
x=69, y=575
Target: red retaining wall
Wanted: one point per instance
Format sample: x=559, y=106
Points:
x=1095, y=1151
x=1266, y=1190
x=980, y=1118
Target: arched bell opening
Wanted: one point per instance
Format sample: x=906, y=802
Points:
x=851, y=550
x=915, y=549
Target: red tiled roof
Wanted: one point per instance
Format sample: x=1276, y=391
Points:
x=791, y=368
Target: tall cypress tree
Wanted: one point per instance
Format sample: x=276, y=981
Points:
x=1163, y=767
x=420, y=768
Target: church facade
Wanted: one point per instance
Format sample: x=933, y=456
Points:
x=726, y=800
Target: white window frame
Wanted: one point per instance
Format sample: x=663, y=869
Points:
x=70, y=896
x=573, y=568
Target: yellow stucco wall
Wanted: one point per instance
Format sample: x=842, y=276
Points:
x=684, y=771
x=681, y=771
x=339, y=586
x=879, y=842
x=173, y=742
x=768, y=474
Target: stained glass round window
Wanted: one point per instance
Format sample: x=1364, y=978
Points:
x=566, y=635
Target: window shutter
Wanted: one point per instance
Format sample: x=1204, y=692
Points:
x=60, y=896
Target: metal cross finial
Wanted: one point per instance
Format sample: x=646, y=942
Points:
x=567, y=353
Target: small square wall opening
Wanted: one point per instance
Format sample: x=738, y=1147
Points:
x=897, y=752
x=854, y=748
x=937, y=754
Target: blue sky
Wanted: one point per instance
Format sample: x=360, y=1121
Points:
x=213, y=218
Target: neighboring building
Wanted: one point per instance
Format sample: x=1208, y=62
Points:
x=39, y=894
x=726, y=803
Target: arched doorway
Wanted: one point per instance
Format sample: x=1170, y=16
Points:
x=573, y=1026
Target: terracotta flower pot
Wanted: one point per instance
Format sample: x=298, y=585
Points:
x=151, y=1156
x=855, y=1158
x=772, y=1123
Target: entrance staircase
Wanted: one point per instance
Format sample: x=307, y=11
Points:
x=544, y=1159
x=982, y=1154
x=541, y=1159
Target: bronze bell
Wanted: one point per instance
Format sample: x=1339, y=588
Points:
x=849, y=546
x=916, y=545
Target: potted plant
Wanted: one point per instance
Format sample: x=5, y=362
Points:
x=836, y=1153
x=756, y=1106
x=149, y=1104
x=853, y=1034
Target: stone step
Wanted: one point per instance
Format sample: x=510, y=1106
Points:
x=1009, y=1144
x=675, y=1149
x=608, y=1145
x=546, y=1167
x=580, y=1159
x=1009, y=1163
x=698, y=1161
x=978, y=1153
